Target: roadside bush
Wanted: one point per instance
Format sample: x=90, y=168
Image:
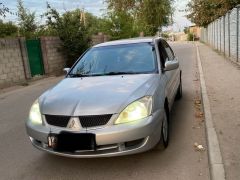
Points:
x=165, y=35
x=71, y=30
x=7, y=29
x=26, y=21
x=190, y=37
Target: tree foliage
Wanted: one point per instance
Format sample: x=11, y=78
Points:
x=203, y=12
x=186, y=30
x=154, y=14
x=7, y=29
x=73, y=32
x=3, y=10
x=27, y=20
x=139, y=15
x=120, y=25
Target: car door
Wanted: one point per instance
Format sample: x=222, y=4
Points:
x=171, y=76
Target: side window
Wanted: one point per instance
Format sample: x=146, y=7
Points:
x=168, y=50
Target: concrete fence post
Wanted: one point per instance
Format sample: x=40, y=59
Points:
x=218, y=30
x=220, y=35
x=224, y=35
x=238, y=33
x=213, y=34
x=216, y=35
x=206, y=34
x=229, y=36
x=213, y=38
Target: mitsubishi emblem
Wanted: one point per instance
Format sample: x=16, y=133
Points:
x=74, y=124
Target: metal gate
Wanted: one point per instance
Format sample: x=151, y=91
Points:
x=35, y=57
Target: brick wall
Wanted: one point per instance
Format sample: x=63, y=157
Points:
x=11, y=62
x=53, y=58
x=100, y=38
x=14, y=63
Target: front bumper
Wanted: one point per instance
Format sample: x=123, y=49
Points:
x=115, y=140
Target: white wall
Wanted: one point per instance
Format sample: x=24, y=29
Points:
x=223, y=34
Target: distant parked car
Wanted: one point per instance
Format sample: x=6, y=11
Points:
x=115, y=100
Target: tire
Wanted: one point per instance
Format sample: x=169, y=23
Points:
x=164, y=139
x=179, y=91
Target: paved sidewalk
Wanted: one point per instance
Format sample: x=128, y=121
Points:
x=223, y=86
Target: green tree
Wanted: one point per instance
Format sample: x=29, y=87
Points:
x=7, y=29
x=144, y=15
x=104, y=25
x=190, y=36
x=27, y=21
x=203, y=12
x=72, y=31
x=154, y=14
x=121, y=25
x=93, y=24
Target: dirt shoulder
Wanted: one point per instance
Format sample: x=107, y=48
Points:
x=30, y=83
x=223, y=86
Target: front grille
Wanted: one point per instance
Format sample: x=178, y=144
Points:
x=60, y=121
x=92, y=121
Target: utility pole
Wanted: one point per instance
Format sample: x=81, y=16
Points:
x=82, y=17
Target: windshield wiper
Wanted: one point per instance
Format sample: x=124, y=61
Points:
x=121, y=73
x=79, y=75
x=104, y=74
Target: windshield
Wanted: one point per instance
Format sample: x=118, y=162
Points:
x=119, y=59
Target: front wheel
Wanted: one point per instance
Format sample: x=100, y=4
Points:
x=163, y=143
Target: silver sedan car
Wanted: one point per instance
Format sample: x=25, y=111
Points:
x=114, y=101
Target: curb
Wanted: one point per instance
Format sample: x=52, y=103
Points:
x=217, y=171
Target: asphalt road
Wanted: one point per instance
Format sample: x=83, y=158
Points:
x=19, y=160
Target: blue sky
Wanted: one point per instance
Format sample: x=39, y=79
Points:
x=97, y=7
x=179, y=17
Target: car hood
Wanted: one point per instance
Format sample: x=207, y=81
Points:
x=94, y=95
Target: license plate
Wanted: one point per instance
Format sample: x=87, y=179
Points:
x=70, y=142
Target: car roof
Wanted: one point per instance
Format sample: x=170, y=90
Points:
x=127, y=41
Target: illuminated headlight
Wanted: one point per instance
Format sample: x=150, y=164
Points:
x=34, y=114
x=137, y=110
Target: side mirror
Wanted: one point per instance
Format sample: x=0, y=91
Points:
x=66, y=70
x=171, y=65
